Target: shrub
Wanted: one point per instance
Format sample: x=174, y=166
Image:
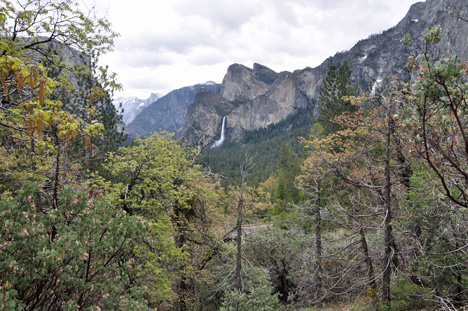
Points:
x=259, y=299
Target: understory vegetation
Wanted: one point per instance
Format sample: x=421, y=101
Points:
x=361, y=207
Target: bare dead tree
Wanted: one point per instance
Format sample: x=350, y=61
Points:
x=244, y=169
x=389, y=241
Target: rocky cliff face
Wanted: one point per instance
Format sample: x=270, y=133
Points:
x=168, y=112
x=269, y=98
x=380, y=57
x=244, y=83
x=204, y=116
x=255, y=98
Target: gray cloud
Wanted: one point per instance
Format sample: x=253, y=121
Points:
x=227, y=14
x=147, y=83
x=144, y=58
x=185, y=41
x=206, y=56
x=178, y=40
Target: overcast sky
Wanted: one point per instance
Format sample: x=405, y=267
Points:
x=169, y=44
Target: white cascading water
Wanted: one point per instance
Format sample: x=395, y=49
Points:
x=219, y=142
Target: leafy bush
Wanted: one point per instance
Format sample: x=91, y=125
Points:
x=409, y=296
x=260, y=299
x=79, y=254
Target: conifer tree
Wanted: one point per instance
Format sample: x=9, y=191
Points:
x=288, y=169
x=331, y=104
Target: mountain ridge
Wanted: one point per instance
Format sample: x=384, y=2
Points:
x=373, y=61
x=254, y=98
x=168, y=112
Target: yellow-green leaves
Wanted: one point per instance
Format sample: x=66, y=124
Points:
x=156, y=179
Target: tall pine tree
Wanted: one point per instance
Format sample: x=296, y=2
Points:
x=288, y=168
x=331, y=104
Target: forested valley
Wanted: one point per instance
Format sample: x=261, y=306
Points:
x=360, y=205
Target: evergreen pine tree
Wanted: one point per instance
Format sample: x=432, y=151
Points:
x=288, y=169
x=337, y=84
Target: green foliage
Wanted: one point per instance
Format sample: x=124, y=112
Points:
x=331, y=104
x=288, y=168
x=60, y=248
x=91, y=103
x=278, y=251
x=80, y=253
x=436, y=110
x=59, y=21
x=263, y=145
x=219, y=281
x=260, y=298
x=408, y=296
x=45, y=51
x=159, y=180
x=159, y=172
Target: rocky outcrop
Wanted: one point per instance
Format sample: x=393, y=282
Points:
x=379, y=58
x=255, y=98
x=205, y=115
x=244, y=83
x=282, y=99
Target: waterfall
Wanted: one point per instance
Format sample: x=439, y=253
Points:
x=219, y=142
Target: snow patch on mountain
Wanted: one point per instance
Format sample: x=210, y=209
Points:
x=133, y=105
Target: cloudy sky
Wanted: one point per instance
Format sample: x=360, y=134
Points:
x=168, y=44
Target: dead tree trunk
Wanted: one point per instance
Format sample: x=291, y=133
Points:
x=367, y=258
x=318, y=247
x=244, y=168
x=364, y=245
x=180, y=241
x=387, y=271
x=239, y=242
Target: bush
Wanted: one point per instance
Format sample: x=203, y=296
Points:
x=259, y=299
x=409, y=296
x=77, y=254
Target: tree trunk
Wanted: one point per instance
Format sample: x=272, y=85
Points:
x=180, y=241
x=387, y=272
x=458, y=270
x=318, y=248
x=57, y=171
x=239, y=285
x=367, y=258
x=365, y=248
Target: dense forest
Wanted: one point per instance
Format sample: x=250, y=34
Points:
x=263, y=145
x=358, y=204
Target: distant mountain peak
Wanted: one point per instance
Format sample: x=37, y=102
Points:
x=210, y=83
x=132, y=105
x=168, y=112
